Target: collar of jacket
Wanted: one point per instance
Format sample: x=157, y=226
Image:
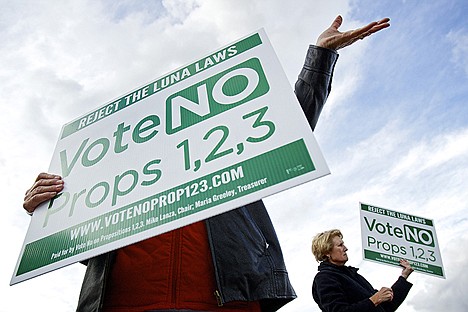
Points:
x=328, y=266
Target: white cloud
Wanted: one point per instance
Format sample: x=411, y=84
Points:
x=459, y=41
x=433, y=153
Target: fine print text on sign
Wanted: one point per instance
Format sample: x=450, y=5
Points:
x=388, y=236
x=211, y=136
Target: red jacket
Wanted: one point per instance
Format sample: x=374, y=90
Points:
x=164, y=272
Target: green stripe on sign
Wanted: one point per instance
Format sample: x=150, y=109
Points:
x=390, y=259
x=397, y=215
x=268, y=169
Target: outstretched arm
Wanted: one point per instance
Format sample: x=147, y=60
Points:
x=314, y=81
x=401, y=287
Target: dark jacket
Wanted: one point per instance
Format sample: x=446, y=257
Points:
x=341, y=288
x=247, y=232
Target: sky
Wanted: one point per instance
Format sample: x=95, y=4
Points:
x=394, y=130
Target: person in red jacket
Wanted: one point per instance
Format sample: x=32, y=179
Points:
x=230, y=262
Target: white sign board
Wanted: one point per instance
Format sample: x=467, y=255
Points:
x=211, y=136
x=388, y=236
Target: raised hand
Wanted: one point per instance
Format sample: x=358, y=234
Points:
x=333, y=39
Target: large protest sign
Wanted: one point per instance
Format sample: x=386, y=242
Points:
x=208, y=137
x=388, y=236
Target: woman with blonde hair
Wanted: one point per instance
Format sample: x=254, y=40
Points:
x=338, y=287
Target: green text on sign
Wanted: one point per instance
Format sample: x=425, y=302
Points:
x=265, y=170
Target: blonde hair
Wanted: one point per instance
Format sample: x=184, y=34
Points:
x=322, y=244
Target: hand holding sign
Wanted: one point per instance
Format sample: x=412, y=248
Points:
x=45, y=187
x=407, y=269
